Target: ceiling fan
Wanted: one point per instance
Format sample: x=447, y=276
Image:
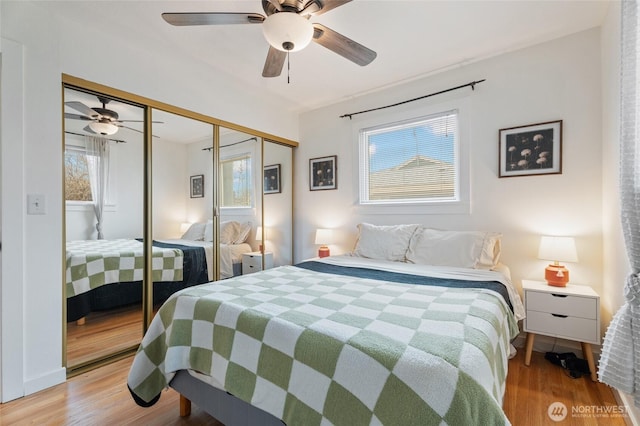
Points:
x=103, y=121
x=287, y=29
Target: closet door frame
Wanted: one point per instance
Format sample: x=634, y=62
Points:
x=75, y=83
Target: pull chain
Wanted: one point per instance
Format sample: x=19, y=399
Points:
x=288, y=67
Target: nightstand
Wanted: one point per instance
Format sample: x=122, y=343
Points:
x=571, y=312
x=252, y=261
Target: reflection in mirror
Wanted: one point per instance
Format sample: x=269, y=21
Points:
x=104, y=218
x=278, y=202
x=182, y=202
x=240, y=202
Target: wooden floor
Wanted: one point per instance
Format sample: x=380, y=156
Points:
x=103, y=333
x=101, y=397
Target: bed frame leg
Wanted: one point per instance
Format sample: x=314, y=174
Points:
x=81, y=321
x=185, y=407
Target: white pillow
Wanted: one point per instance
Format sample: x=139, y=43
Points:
x=195, y=232
x=228, y=231
x=243, y=233
x=208, y=231
x=384, y=242
x=463, y=249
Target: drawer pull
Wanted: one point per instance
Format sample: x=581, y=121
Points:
x=558, y=295
x=560, y=316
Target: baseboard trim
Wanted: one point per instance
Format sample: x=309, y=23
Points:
x=633, y=413
x=555, y=344
x=46, y=381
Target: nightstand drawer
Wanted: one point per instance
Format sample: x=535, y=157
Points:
x=574, y=328
x=573, y=306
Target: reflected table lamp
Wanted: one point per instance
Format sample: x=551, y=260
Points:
x=259, y=238
x=557, y=249
x=324, y=237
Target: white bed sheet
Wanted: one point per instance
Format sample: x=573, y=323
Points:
x=229, y=254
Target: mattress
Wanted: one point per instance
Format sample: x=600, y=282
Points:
x=311, y=347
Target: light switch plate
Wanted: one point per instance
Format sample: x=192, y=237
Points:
x=36, y=204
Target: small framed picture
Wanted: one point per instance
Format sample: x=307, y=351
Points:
x=197, y=186
x=323, y=173
x=271, y=177
x=535, y=149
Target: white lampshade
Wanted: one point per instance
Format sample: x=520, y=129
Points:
x=324, y=236
x=103, y=128
x=558, y=249
x=287, y=31
x=259, y=233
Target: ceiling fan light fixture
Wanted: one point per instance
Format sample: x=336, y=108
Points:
x=102, y=128
x=287, y=31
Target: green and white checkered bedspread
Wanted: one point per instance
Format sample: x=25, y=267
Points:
x=92, y=263
x=314, y=348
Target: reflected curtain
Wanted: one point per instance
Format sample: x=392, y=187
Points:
x=97, y=149
x=620, y=359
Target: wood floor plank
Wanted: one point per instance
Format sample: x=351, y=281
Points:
x=100, y=397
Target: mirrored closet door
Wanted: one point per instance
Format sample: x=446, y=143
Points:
x=183, y=192
x=104, y=211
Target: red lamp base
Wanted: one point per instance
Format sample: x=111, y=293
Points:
x=556, y=275
x=323, y=251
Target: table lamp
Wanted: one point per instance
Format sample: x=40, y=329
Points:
x=324, y=237
x=557, y=249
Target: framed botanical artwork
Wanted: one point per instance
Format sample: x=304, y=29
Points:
x=197, y=186
x=534, y=149
x=323, y=173
x=271, y=177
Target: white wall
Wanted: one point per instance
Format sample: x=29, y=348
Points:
x=52, y=45
x=559, y=80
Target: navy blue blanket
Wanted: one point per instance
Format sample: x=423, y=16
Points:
x=396, y=277
x=195, y=262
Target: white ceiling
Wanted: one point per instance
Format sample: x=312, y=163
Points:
x=412, y=38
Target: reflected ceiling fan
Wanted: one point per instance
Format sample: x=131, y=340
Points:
x=287, y=29
x=102, y=121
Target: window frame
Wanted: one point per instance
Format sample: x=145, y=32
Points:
x=111, y=203
x=461, y=205
x=252, y=193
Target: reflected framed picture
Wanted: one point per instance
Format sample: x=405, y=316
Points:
x=197, y=186
x=271, y=176
x=323, y=173
x=534, y=149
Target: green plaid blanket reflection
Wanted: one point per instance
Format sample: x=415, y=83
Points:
x=92, y=263
x=314, y=348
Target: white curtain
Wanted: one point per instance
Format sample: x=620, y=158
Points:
x=620, y=359
x=97, y=149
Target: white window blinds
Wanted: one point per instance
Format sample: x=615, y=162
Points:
x=413, y=161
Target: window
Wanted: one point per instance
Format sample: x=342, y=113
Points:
x=236, y=181
x=77, y=184
x=411, y=161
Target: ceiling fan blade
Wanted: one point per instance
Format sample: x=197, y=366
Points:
x=318, y=7
x=79, y=106
x=274, y=63
x=77, y=117
x=343, y=46
x=212, y=18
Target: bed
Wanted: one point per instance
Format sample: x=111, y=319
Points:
x=374, y=337
x=106, y=274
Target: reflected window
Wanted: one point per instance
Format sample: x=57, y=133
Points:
x=236, y=181
x=77, y=184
